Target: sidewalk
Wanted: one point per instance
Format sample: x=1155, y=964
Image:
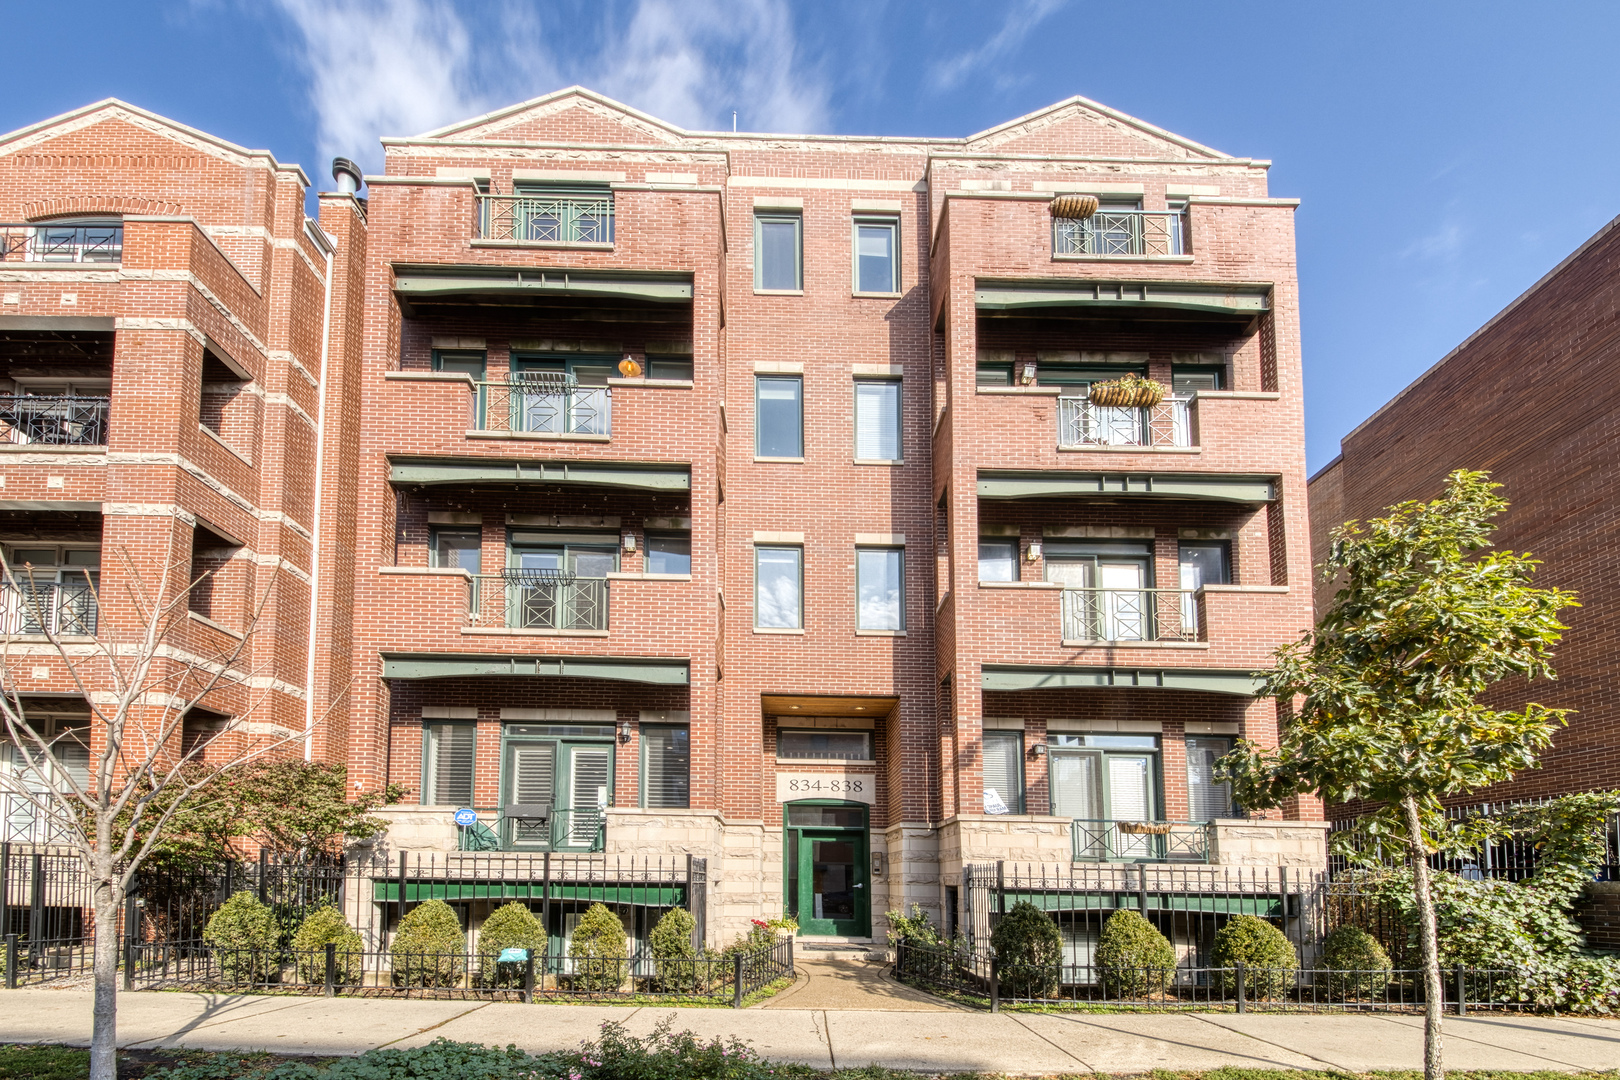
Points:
x=948, y=1041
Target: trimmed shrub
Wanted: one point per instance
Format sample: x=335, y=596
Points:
x=511, y=926
x=670, y=943
x=429, y=947
x=1266, y=954
x=243, y=933
x=1358, y=967
x=1029, y=952
x=1134, y=960
x=598, y=950
x=321, y=927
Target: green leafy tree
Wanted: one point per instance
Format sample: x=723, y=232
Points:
x=598, y=950
x=1133, y=958
x=510, y=926
x=244, y=935
x=1384, y=693
x=1029, y=952
x=322, y=927
x=429, y=946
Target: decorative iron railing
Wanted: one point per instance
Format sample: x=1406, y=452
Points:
x=1104, y=840
x=58, y=607
x=543, y=403
x=1122, y=234
x=538, y=600
x=1081, y=423
x=547, y=219
x=512, y=828
x=61, y=243
x=53, y=420
x=1132, y=615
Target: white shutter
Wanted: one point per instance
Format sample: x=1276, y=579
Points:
x=877, y=421
x=590, y=775
x=1003, y=780
x=532, y=784
x=1206, y=798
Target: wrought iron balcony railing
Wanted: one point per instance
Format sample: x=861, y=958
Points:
x=572, y=218
x=1106, y=840
x=1131, y=615
x=61, y=243
x=1122, y=234
x=68, y=608
x=1081, y=423
x=53, y=420
x=543, y=403
x=538, y=600
x=518, y=828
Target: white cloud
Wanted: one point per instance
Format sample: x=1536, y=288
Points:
x=402, y=67
x=1022, y=19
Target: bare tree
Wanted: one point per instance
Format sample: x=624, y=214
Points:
x=139, y=687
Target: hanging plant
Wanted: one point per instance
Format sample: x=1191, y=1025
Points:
x=1128, y=391
x=1073, y=207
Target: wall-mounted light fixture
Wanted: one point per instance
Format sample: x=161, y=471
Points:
x=629, y=541
x=1033, y=552
x=1038, y=750
x=624, y=731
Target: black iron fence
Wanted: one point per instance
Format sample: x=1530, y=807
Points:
x=1511, y=858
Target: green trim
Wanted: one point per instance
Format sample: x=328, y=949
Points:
x=660, y=671
x=477, y=284
x=417, y=891
x=474, y=471
x=1057, y=901
x=1240, y=301
x=999, y=677
x=1052, y=483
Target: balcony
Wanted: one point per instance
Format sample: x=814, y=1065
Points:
x=551, y=219
x=25, y=243
x=66, y=608
x=535, y=828
x=1107, y=840
x=1121, y=234
x=1127, y=615
x=53, y=420
x=1083, y=424
x=542, y=403
x=528, y=599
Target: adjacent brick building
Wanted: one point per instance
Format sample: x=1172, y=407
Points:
x=1526, y=397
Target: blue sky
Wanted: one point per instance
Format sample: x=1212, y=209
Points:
x=1448, y=153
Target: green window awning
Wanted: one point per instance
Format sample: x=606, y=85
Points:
x=1059, y=900
x=475, y=471
x=659, y=671
x=1241, y=301
x=607, y=893
x=417, y=286
x=997, y=677
x=1059, y=484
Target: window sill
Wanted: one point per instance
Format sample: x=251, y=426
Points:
x=891, y=462
x=1033, y=391
x=877, y=295
x=1132, y=644
x=1245, y=588
x=778, y=292
x=431, y=571
x=1130, y=449
x=1237, y=395
x=66, y=639
x=779, y=460
x=546, y=244
x=778, y=630
x=880, y=633
x=1124, y=258
x=624, y=575
x=517, y=631
x=654, y=384
x=1020, y=584
x=869, y=762
x=537, y=436
x=206, y=621
x=431, y=376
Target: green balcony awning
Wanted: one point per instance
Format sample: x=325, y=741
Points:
x=1059, y=900
x=475, y=471
x=416, y=286
x=658, y=670
x=1062, y=484
x=608, y=893
x=997, y=677
x=1240, y=301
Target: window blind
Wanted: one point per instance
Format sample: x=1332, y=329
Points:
x=1003, y=773
x=877, y=421
x=666, y=757
x=1207, y=798
x=447, y=765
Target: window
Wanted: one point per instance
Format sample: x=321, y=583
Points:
x=1204, y=563
x=52, y=587
x=779, y=416
x=447, y=764
x=198, y=728
x=212, y=577
x=460, y=361
x=666, y=761
x=994, y=374
x=674, y=368
x=669, y=553
x=558, y=581
x=877, y=421
x=1004, y=772
x=1106, y=778
x=877, y=269
x=1207, y=798
x=1188, y=379
x=998, y=560
x=779, y=588
x=1105, y=594
x=823, y=745
x=457, y=548
x=778, y=246
x=880, y=588
x=225, y=407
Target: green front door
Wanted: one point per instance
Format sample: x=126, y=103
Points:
x=833, y=883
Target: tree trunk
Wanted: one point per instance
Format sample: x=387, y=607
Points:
x=1433, y=993
x=104, y=1032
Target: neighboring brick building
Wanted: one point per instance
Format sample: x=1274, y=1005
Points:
x=162, y=300
x=1527, y=398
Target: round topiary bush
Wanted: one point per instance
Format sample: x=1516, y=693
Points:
x=670, y=943
x=598, y=950
x=1029, y=952
x=511, y=926
x=1267, y=956
x=1134, y=960
x=243, y=933
x=1358, y=967
x=429, y=947
x=322, y=927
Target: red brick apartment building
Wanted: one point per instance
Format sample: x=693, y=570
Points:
x=1525, y=398
x=726, y=495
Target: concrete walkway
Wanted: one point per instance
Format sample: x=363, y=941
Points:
x=950, y=1041
x=852, y=985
